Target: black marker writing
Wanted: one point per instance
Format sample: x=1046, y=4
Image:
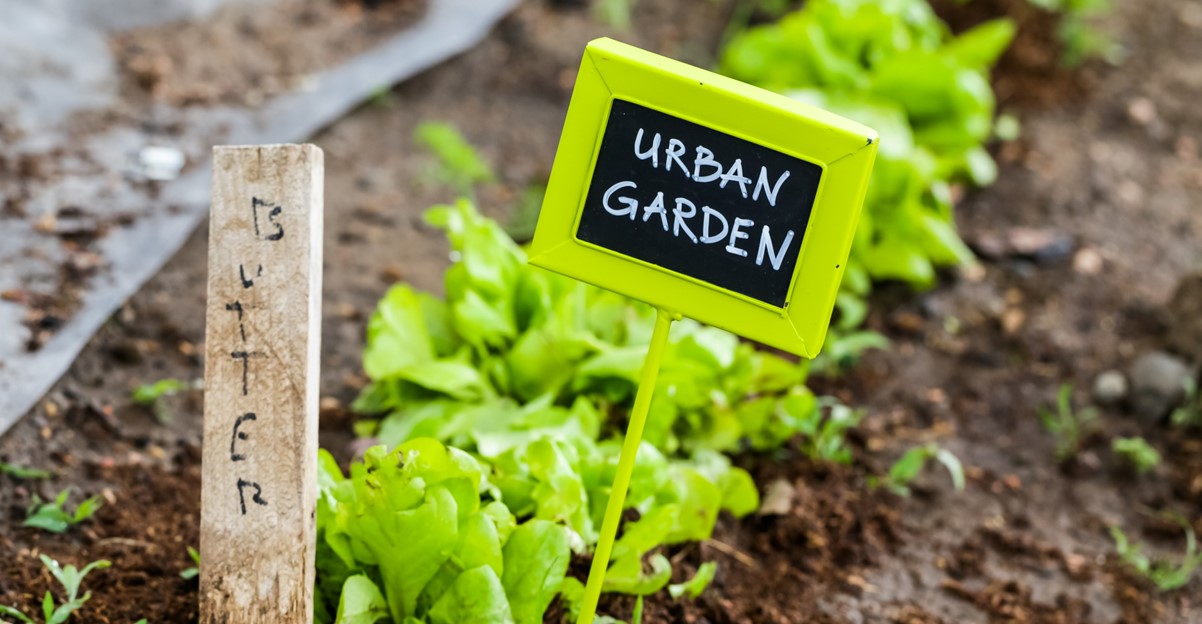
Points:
x=237, y=307
x=279, y=228
x=245, y=357
x=239, y=435
x=247, y=283
x=257, y=497
x=255, y=202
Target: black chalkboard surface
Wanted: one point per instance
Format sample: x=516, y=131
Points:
x=699, y=202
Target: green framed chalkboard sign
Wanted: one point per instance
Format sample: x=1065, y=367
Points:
x=704, y=196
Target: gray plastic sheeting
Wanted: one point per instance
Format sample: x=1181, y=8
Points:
x=77, y=73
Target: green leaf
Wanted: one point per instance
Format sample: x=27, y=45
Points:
x=361, y=602
x=694, y=586
x=480, y=544
x=65, y=610
x=624, y=363
x=459, y=166
x=645, y=533
x=699, y=502
x=572, y=591
x=1137, y=454
x=536, y=563
x=982, y=169
x=148, y=394
x=190, y=573
x=482, y=324
x=906, y=469
x=454, y=379
x=476, y=596
x=396, y=335
x=22, y=472
x=940, y=241
x=627, y=577
x=86, y=509
x=50, y=516
x=954, y=468
x=13, y=612
x=983, y=45
x=897, y=258
x=739, y=495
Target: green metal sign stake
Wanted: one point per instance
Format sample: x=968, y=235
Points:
x=630, y=448
x=696, y=193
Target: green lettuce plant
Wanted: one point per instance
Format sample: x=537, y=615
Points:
x=478, y=561
x=407, y=537
x=528, y=375
x=507, y=334
x=892, y=65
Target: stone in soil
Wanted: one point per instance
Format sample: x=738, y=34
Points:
x=1110, y=387
x=1158, y=382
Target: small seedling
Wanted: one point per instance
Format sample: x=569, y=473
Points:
x=191, y=572
x=1189, y=414
x=616, y=13
x=22, y=472
x=824, y=432
x=1165, y=575
x=70, y=578
x=844, y=349
x=459, y=165
x=907, y=469
x=53, y=516
x=1137, y=454
x=694, y=586
x=1078, y=32
x=1067, y=426
x=148, y=395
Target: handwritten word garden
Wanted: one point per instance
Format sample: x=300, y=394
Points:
x=687, y=198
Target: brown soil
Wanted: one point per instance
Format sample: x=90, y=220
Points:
x=1108, y=176
x=1031, y=72
x=143, y=529
x=259, y=51
x=251, y=53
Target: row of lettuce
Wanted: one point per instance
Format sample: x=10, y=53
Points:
x=496, y=401
x=498, y=407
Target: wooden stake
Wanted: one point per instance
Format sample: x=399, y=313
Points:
x=262, y=342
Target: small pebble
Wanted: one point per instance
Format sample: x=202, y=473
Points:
x=1110, y=387
x=1012, y=320
x=1087, y=261
x=1157, y=384
x=778, y=498
x=1142, y=111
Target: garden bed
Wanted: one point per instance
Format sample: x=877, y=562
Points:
x=1106, y=180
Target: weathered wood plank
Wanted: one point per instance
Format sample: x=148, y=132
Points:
x=262, y=344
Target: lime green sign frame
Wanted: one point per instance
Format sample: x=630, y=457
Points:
x=844, y=149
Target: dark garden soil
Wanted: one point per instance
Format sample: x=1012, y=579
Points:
x=1096, y=218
